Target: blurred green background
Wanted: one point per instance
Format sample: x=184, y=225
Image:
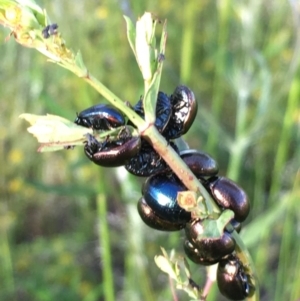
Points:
x=64, y=219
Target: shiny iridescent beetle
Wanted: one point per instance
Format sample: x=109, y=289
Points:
x=160, y=194
x=152, y=210
x=233, y=280
x=184, y=111
x=163, y=110
x=147, y=162
x=229, y=196
x=206, y=251
x=112, y=153
x=100, y=117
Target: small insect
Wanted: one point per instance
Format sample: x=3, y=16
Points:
x=163, y=110
x=195, y=255
x=233, y=280
x=160, y=194
x=201, y=164
x=161, y=57
x=184, y=111
x=207, y=250
x=236, y=226
x=112, y=153
x=100, y=117
x=229, y=196
x=49, y=30
x=147, y=162
x=151, y=219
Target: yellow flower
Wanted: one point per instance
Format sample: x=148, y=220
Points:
x=102, y=12
x=15, y=185
x=15, y=156
x=84, y=288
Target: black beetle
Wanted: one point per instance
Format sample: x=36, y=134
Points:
x=163, y=110
x=147, y=162
x=111, y=153
x=201, y=164
x=184, y=110
x=195, y=255
x=49, y=30
x=100, y=117
x=160, y=193
x=233, y=281
x=229, y=196
x=151, y=219
x=236, y=226
x=209, y=249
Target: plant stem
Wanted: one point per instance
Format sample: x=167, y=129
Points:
x=285, y=137
x=7, y=265
x=246, y=259
x=237, y=151
x=224, y=10
x=104, y=245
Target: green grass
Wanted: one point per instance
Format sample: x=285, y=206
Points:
x=69, y=230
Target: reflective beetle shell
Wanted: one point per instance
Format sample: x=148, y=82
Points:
x=163, y=110
x=201, y=164
x=112, y=153
x=232, y=279
x=151, y=219
x=236, y=226
x=160, y=192
x=100, y=117
x=209, y=249
x=229, y=196
x=184, y=111
x=195, y=255
x=147, y=162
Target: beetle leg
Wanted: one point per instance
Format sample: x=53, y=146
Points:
x=124, y=133
x=93, y=146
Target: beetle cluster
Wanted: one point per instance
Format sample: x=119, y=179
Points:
x=158, y=205
x=111, y=152
x=159, y=209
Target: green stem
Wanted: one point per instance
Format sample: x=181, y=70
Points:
x=240, y=145
x=7, y=265
x=104, y=245
x=190, y=13
x=246, y=259
x=286, y=137
x=114, y=100
x=217, y=100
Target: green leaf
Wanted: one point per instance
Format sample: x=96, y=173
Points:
x=30, y=4
x=262, y=223
x=145, y=46
x=187, y=269
x=151, y=91
x=214, y=228
x=165, y=265
x=131, y=33
x=55, y=132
